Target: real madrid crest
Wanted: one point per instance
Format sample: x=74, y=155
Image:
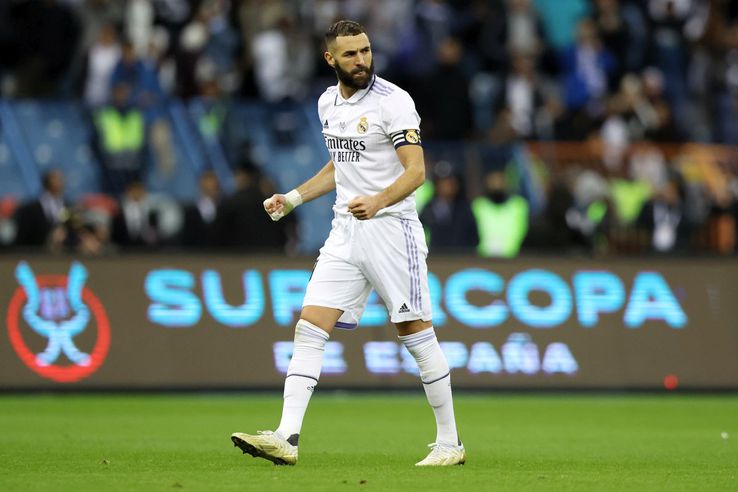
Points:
x=412, y=136
x=363, y=125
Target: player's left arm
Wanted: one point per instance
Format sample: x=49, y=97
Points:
x=411, y=158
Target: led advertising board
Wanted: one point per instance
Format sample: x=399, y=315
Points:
x=174, y=321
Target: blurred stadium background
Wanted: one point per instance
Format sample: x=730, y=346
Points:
x=580, y=207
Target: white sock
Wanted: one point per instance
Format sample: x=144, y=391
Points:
x=436, y=378
x=302, y=377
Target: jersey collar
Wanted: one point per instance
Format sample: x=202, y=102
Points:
x=358, y=95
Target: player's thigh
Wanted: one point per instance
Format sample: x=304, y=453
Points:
x=396, y=267
x=413, y=326
x=336, y=293
x=321, y=316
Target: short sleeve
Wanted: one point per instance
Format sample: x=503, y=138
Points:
x=325, y=101
x=401, y=119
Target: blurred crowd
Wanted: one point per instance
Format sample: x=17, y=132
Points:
x=561, y=197
x=138, y=220
x=613, y=73
x=657, y=69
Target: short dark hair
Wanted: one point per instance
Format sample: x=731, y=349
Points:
x=343, y=28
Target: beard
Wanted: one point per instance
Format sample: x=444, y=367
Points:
x=349, y=79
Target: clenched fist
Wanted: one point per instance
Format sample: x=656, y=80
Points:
x=364, y=207
x=277, y=206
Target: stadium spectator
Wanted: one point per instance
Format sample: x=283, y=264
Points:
x=283, y=62
x=719, y=223
x=139, y=22
x=499, y=210
x=550, y=231
x=448, y=219
x=720, y=86
x=172, y=15
x=664, y=219
x=241, y=223
x=448, y=117
x=120, y=139
x=587, y=66
x=223, y=43
x=136, y=224
x=488, y=37
x=102, y=59
x=199, y=225
x=721, y=227
x=129, y=71
x=189, y=54
x=92, y=235
x=590, y=216
x=674, y=25
x=524, y=31
x=560, y=20
x=520, y=103
x=434, y=20
x=41, y=222
x=621, y=25
x=95, y=212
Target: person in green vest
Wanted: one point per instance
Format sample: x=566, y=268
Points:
x=502, y=218
x=121, y=135
x=592, y=216
x=424, y=194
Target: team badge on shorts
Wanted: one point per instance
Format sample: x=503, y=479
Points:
x=412, y=136
x=363, y=125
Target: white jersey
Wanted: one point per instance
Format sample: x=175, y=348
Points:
x=361, y=134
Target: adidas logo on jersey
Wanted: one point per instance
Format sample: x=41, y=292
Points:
x=325, y=124
x=403, y=309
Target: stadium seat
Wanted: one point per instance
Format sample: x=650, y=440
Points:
x=58, y=135
x=12, y=185
x=208, y=117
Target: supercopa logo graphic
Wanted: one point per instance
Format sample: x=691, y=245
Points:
x=57, y=326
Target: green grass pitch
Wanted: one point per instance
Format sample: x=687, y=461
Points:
x=370, y=442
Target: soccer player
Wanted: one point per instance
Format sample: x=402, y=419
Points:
x=372, y=132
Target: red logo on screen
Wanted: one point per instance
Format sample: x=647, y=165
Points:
x=52, y=311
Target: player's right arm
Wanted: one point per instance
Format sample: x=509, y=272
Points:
x=324, y=181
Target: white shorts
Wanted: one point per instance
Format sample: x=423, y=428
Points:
x=387, y=253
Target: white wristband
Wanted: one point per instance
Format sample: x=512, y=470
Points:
x=294, y=198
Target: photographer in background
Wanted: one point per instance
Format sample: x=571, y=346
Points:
x=53, y=223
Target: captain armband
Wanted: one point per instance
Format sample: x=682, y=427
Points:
x=406, y=137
